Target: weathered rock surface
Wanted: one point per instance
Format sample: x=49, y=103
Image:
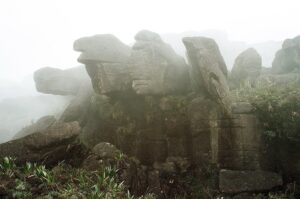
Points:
x=42, y=124
x=51, y=145
x=247, y=67
x=104, y=48
x=105, y=58
x=155, y=67
x=231, y=181
x=60, y=82
x=287, y=59
x=208, y=71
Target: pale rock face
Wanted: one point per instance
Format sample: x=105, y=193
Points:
x=247, y=66
x=208, y=71
x=105, y=58
x=155, y=67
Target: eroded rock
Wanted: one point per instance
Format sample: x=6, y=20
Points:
x=247, y=67
x=51, y=145
x=155, y=67
x=208, y=71
x=105, y=58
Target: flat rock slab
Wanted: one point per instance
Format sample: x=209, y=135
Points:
x=231, y=181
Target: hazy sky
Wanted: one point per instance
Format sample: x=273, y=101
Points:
x=38, y=33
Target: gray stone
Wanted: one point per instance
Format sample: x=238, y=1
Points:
x=247, y=66
x=155, y=67
x=287, y=59
x=209, y=71
x=231, y=181
x=105, y=150
x=105, y=58
x=60, y=82
x=49, y=146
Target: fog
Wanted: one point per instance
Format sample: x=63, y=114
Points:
x=36, y=34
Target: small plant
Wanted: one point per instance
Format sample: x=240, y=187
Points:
x=7, y=164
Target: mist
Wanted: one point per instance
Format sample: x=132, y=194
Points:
x=35, y=34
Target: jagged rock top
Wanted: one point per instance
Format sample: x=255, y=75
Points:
x=102, y=48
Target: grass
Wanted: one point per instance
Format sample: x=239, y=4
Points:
x=63, y=181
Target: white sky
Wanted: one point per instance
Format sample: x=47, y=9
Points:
x=38, y=33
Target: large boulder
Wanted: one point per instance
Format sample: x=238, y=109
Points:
x=60, y=82
x=51, y=145
x=209, y=72
x=155, y=67
x=105, y=58
x=287, y=59
x=231, y=181
x=247, y=66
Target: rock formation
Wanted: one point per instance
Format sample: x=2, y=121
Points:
x=141, y=103
x=50, y=145
x=155, y=67
x=209, y=71
x=287, y=59
x=247, y=67
x=105, y=58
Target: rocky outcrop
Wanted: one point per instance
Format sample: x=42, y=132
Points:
x=42, y=124
x=141, y=104
x=287, y=59
x=247, y=67
x=105, y=58
x=155, y=67
x=248, y=181
x=60, y=82
x=51, y=145
x=209, y=72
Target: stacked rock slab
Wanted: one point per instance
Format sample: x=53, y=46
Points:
x=247, y=67
x=129, y=109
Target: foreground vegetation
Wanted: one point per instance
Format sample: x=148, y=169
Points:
x=277, y=107
x=63, y=181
